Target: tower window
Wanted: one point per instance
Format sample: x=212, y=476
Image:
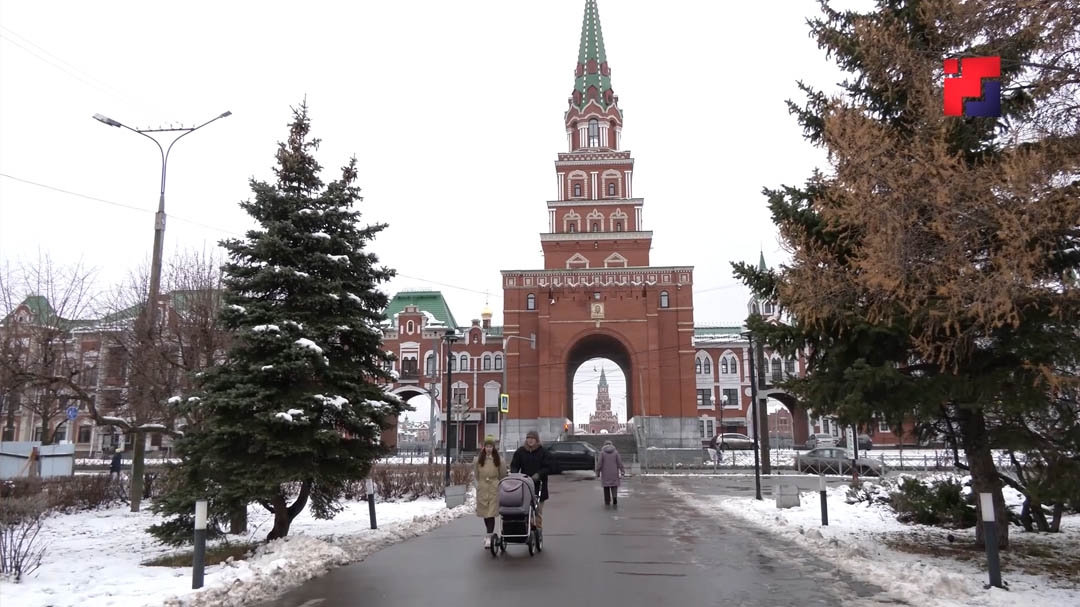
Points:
x=611, y=189
x=572, y=228
x=618, y=226
x=595, y=227
x=663, y=299
x=577, y=189
x=530, y=302
x=594, y=133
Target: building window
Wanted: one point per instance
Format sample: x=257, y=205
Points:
x=704, y=398
x=708, y=367
x=595, y=227
x=732, y=395
x=723, y=365
x=663, y=299
x=577, y=189
x=767, y=309
x=611, y=189
x=594, y=133
x=409, y=327
x=572, y=228
x=707, y=427
x=487, y=362
x=530, y=302
x=460, y=395
x=732, y=367
x=464, y=365
x=453, y=363
x=84, y=434
x=618, y=226
x=498, y=362
x=789, y=367
x=697, y=366
x=89, y=376
x=429, y=364
x=775, y=369
x=825, y=426
x=883, y=426
x=492, y=415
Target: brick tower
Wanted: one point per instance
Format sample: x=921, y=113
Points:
x=603, y=419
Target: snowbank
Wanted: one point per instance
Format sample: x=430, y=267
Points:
x=94, y=559
x=855, y=538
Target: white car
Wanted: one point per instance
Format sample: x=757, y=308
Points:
x=731, y=440
x=820, y=440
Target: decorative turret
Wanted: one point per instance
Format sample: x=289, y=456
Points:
x=594, y=120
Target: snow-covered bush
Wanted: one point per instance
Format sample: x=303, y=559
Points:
x=20, y=523
x=942, y=503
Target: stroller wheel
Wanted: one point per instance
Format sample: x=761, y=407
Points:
x=539, y=541
x=495, y=542
x=529, y=543
x=502, y=546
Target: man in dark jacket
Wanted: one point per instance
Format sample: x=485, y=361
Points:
x=115, y=465
x=532, y=459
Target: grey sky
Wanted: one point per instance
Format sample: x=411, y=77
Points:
x=453, y=109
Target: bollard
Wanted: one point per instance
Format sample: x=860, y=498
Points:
x=824, y=501
x=371, y=502
x=199, y=563
x=986, y=502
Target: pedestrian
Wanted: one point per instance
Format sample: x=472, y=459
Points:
x=531, y=459
x=609, y=468
x=114, y=467
x=488, y=471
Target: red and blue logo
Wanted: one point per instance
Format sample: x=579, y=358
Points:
x=969, y=90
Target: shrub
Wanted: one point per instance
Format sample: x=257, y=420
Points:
x=940, y=503
x=20, y=523
x=67, y=493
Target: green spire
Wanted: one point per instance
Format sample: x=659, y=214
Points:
x=603, y=380
x=761, y=263
x=592, y=70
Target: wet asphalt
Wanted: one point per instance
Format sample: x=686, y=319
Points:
x=651, y=550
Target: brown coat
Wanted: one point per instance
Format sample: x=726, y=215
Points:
x=487, y=487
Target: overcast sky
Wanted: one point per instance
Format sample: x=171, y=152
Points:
x=453, y=109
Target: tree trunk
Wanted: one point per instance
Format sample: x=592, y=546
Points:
x=1025, y=516
x=1055, y=524
x=137, y=467
x=984, y=475
x=284, y=514
x=1039, y=515
x=238, y=520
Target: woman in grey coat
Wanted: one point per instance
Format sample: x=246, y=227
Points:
x=609, y=468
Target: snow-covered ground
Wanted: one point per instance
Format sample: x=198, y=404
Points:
x=908, y=459
x=95, y=558
x=855, y=541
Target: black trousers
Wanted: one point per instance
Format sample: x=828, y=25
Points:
x=611, y=495
x=489, y=522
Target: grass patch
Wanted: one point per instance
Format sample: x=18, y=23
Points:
x=1026, y=554
x=214, y=555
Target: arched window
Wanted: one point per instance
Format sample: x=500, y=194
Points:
x=498, y=362
x=663, y=299
x=723, y=365
x=409, y=327
x=732, y=367
x=611, y=189
x=618, y=226
x=577, y=189
x=697, y=366
x=571, y=228
x=429, y=364
x=530, y=302
x=708, y=366
x=464, y=362
x=453, y=363
x=594, y=133
x=487, y=362
x=595, y=227
x=776, y=369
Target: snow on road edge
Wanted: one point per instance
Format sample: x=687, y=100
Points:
x=284, y=564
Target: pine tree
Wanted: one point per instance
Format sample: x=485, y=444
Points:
x=933, y=270
x=296, y=409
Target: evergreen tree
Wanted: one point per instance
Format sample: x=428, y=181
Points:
x=934, y=269
x=295, y=410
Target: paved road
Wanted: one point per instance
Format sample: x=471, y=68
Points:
x=651, y=550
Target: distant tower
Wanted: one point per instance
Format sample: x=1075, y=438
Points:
x=768, y=309
x=603, y=418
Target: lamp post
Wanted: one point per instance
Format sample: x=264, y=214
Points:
x=754, y=415
x=506, y=362
x=448, y=396
x=159, y=217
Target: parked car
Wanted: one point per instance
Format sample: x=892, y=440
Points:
x=820, y=440
x=571, y=455
x=734, y=440
x=834, y=460
x=865, y=444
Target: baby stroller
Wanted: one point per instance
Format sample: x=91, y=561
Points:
x=517, y=507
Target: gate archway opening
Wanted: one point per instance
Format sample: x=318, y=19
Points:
x=607, y=409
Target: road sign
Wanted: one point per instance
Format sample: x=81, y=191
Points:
x=504, y=403
x=72, y=412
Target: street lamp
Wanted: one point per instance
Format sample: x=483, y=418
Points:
x=159, y=217
x=754, y=414
x=448, y=397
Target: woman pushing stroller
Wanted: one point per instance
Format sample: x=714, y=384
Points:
x=531, y=459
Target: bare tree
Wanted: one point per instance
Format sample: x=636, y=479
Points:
x=43, y=303
x=156, y=371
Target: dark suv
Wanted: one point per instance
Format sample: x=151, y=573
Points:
x=571, y=455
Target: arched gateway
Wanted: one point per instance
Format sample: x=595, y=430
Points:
x=597, y=295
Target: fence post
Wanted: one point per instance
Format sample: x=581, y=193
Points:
x=199, y=562
x=370, y=487
x=824, y=501
x=986, y=503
